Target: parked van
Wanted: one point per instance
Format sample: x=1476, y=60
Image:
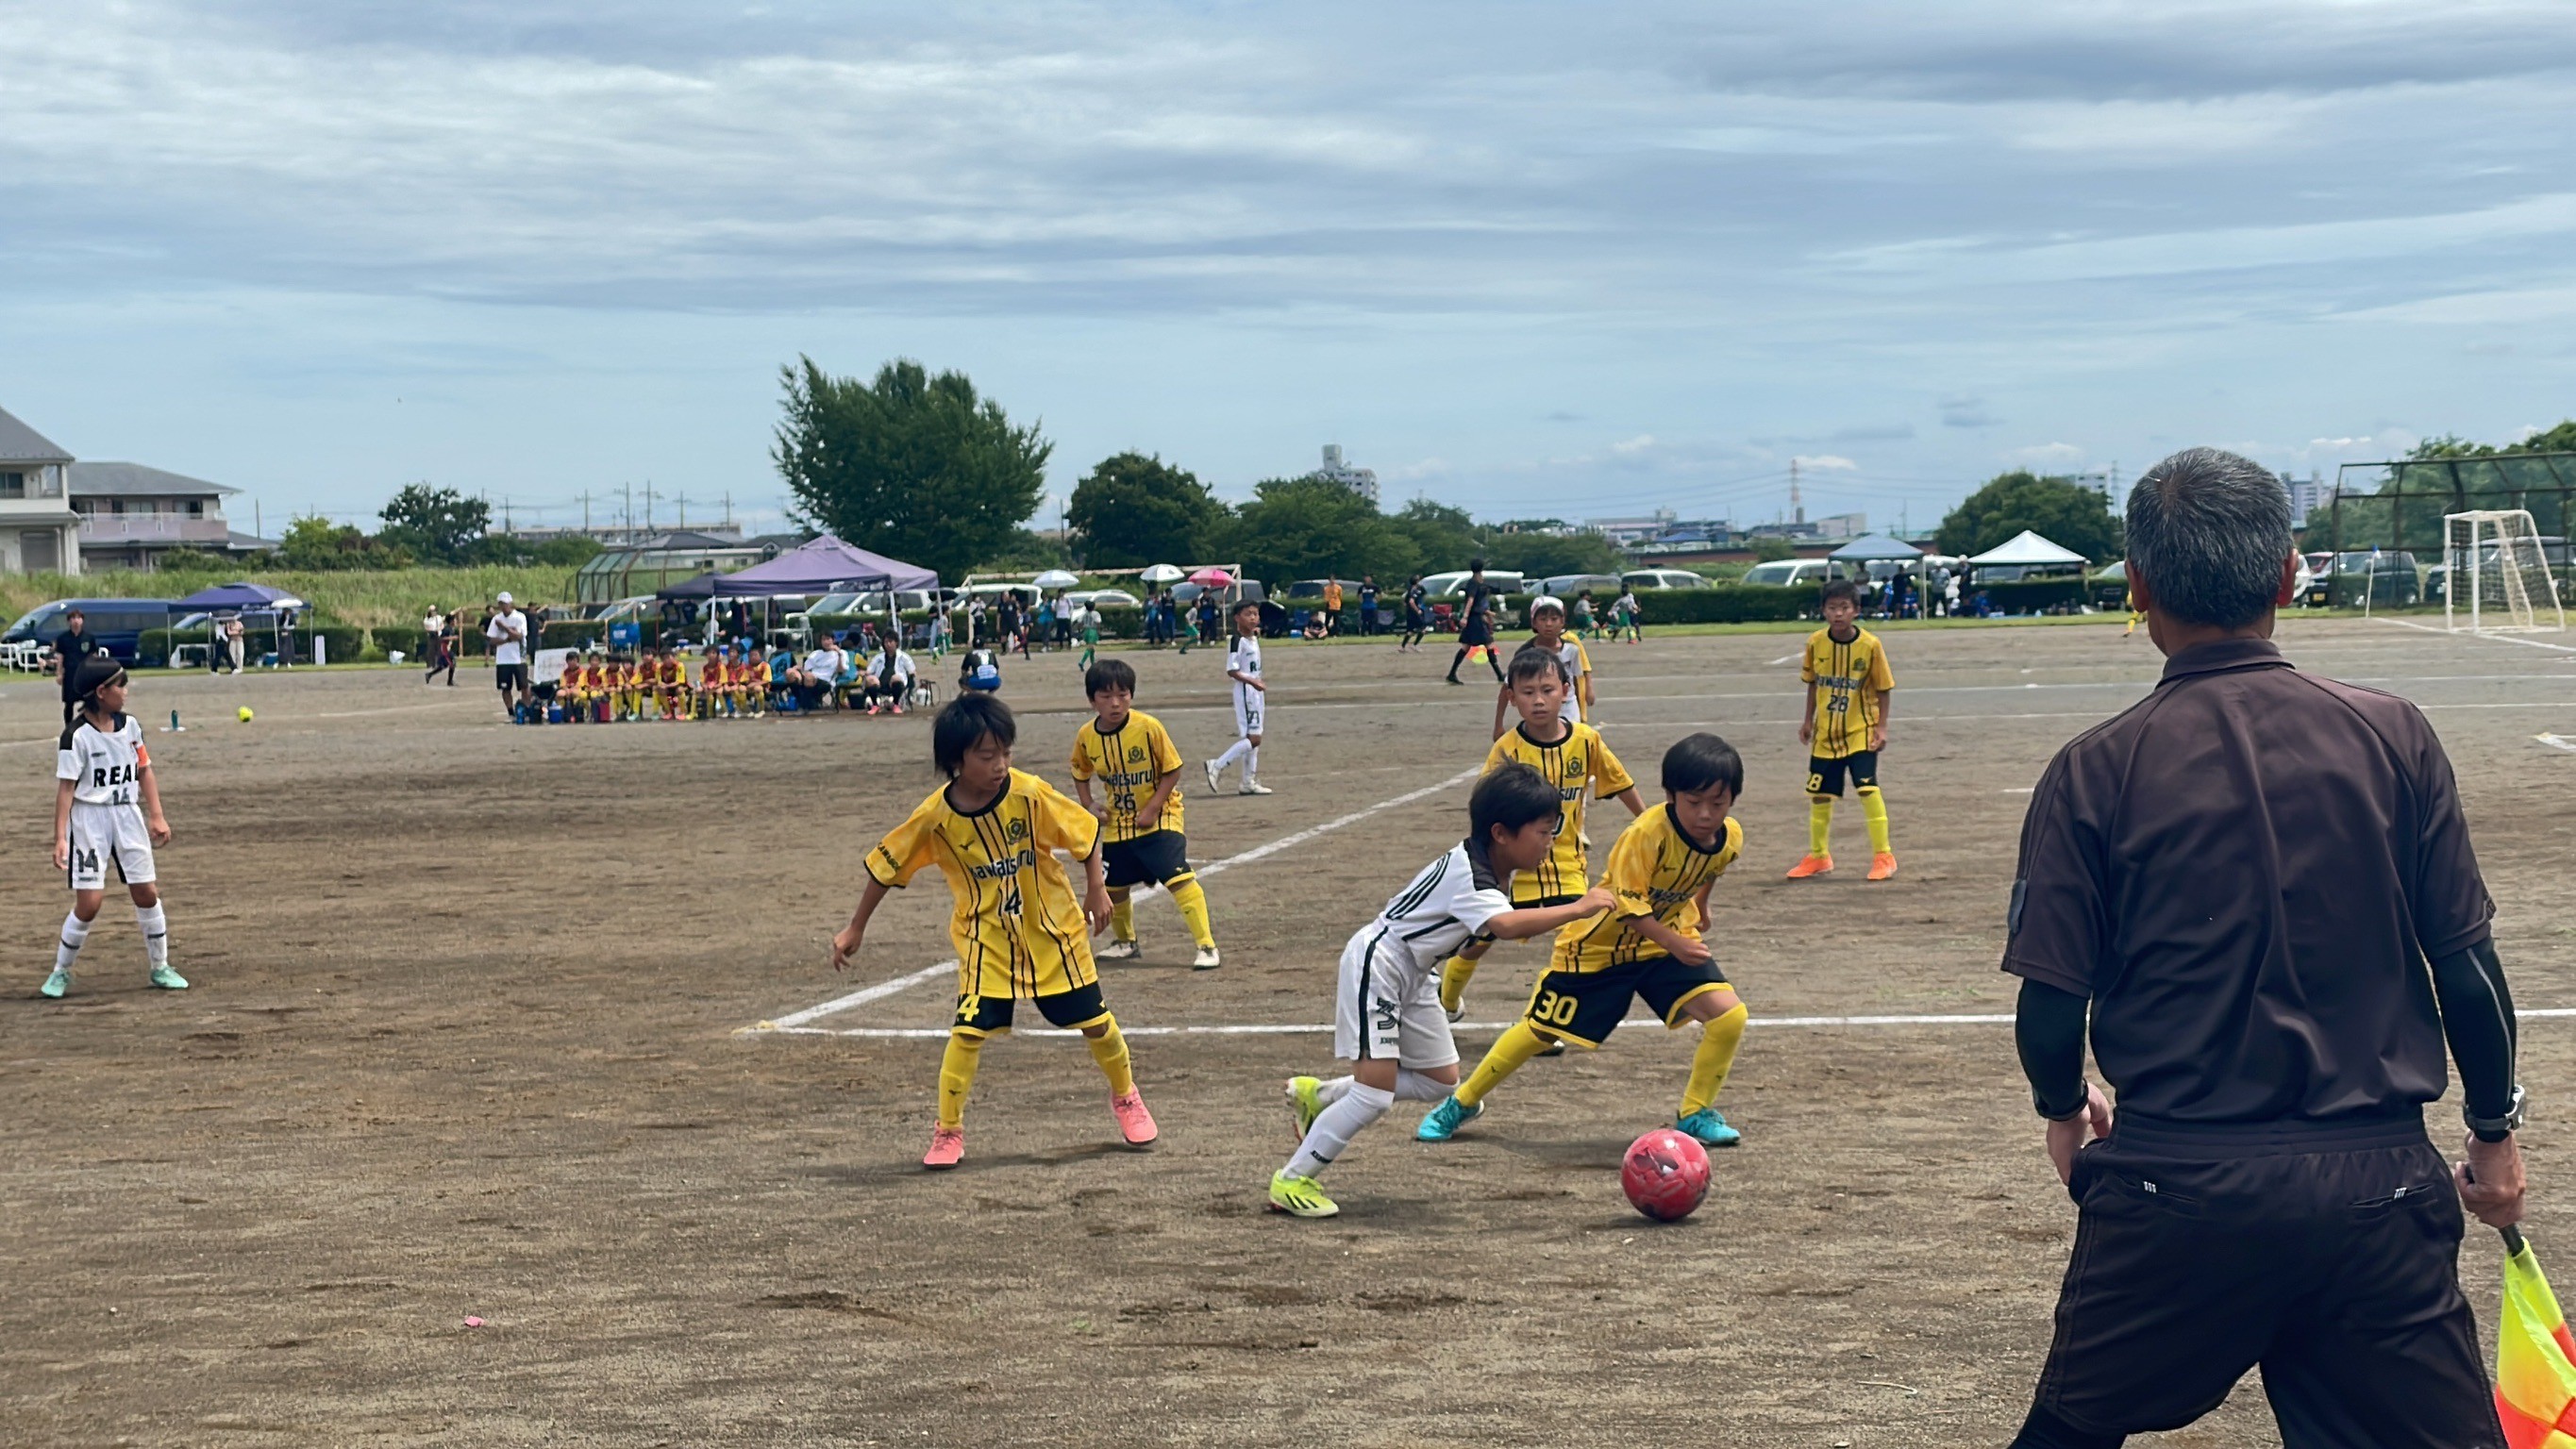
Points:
x=117, y=624
x=1790, y=572
x=1663, y=579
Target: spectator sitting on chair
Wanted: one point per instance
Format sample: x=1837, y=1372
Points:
x=889, y=679
x=814, y=680
x=979, y=671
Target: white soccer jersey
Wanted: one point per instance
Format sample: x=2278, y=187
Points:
x=1570, y=653
x=1387, y=1002
x=1243, y=656
x=104, y=766
x=1443, y=908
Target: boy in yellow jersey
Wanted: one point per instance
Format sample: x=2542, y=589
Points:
x=1131, y=755
x=1547, y=632
x=1577, y=761
x=1848, y=685
x=570, y=689
x=752, y=679
x=1647, y=947
x=715, y=681
x=625, y=680
x=674, y=686
x=599, y=687
x=1019, y=930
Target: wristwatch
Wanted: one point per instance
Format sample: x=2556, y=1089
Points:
x=2497, y=1129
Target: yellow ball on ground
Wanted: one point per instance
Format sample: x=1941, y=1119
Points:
x=245, y=714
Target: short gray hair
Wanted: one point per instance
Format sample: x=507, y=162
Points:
x=2208, y=531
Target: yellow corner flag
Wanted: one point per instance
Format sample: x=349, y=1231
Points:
x=2535, y=1357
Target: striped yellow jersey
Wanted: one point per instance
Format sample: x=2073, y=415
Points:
x=1018, y=925
x=1127, y=761
x=1847, y=674
x=1580, y=766
x=1655, y=870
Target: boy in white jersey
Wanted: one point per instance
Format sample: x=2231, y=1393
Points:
x=1243, y=666
x=1547, y=634
x=107, y=810
x=1387, y=1019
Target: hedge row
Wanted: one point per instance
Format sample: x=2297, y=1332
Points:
x=343, y=643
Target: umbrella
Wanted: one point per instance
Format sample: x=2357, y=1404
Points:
x=1056, y=579
x=1162, y=574
x=2535, y=1383
x=1212, y=577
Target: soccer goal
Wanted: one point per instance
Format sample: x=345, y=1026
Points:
x=2496, y=575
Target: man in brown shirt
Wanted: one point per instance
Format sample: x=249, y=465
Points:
x=2261, y=884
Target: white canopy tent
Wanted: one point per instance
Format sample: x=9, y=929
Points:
x=2027, y=548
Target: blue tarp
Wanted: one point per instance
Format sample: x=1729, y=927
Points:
x=235, y=596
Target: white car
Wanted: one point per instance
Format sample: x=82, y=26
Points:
x=1663, y=579
x=1104, y=599
x=1452, y=584
x=1789, y=572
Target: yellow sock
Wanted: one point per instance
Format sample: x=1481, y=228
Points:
x=1509, y=1055
x=1717, y=1043
x=1873, y=807
x=1192, y=901
x=956, y=1075
x=1454, y=976
x=1820, y=824
x=1110, y=1050
x=1122, y=916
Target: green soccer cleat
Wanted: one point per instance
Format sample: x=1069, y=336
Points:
x=56, y=984
x=168, y=980
x=1299, y=1197
x=1445, y=1120
x=1305, y=1102
x=1708, y=1129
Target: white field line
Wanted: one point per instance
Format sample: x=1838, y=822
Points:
x=795, y=1019
x=929, y=1033
x=2498, y=638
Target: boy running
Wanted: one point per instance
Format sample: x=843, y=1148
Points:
x=1131, y=754
x=1251, y=694
x=993, y=831
x=1574, y=758
x=1648, y=947
x=1547, y=634
x=1387, y=1020
x=1848, y=687
x=107, y=809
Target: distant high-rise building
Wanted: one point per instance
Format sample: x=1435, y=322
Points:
x=1362, y=481
x=2306, y=496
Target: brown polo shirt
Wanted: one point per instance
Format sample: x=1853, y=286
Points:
x=2245, y=872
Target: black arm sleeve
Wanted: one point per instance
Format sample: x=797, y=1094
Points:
x=2477, y=1016
x=2048, y=1027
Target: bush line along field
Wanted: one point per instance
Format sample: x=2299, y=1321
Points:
x=365, y=598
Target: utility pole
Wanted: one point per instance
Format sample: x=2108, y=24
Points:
x=728, y=508
x=505, y=514
x=649, y=496
x=585, y=512
x=684, y=511
x=629, y=525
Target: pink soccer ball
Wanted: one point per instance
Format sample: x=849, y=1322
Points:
x=1665, y=1174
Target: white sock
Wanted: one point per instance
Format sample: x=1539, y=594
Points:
x=1333, y=1089
x=1418, y=1087
x=156, y=933
x=1336, y=1125
x=75, y=931
x=1233, y=752
x=1251, y=762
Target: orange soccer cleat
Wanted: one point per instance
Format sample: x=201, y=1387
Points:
x=1811, y=865
x=1882, y=866
x=947, y=1148
x=1133, y=1120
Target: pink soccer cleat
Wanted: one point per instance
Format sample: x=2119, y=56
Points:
x=1133, y=1119
x=947, y=1148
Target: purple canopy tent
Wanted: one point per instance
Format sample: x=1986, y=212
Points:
x=825, y=565
x=243, y=597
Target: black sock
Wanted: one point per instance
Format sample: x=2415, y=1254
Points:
x=1461, y=658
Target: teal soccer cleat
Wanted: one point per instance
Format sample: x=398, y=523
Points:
x=168, y=980
x=1708, y=1128
x=1445, y=1120
x=56, y=984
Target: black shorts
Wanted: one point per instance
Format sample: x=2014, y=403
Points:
x=1149, y=859
x=2328, y=1255
x=1825, y=777
x=1475, y=631
x=986, y=1015
x=510, y=676
x=1584, y=1007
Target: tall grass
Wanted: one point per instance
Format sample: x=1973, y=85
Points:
x=368, y=599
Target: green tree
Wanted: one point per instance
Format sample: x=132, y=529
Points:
x=1025, y=552
x=1539, y=555
x=434, y=523
x=1442, y=537
x=1307, y=528
x=914, y=466
x=1135, y=510
x=2060, y=510
x=314, y=542
x=1771, y=548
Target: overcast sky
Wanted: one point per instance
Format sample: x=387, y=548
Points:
x=1571, y=259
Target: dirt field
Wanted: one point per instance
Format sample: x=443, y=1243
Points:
x=466, y=1040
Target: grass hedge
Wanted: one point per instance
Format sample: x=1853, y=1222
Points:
x=2030, y=596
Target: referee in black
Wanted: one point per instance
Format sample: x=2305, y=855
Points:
x=2260, y=883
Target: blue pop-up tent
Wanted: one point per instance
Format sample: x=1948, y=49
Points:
x=242, y=595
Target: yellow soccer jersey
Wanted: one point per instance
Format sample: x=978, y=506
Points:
x=1579, y=760
x=1127, y=761
x=1018, y=925
x=1847, y=676
x=1655, y=870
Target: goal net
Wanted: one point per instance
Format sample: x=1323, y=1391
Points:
x=2496, y=574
